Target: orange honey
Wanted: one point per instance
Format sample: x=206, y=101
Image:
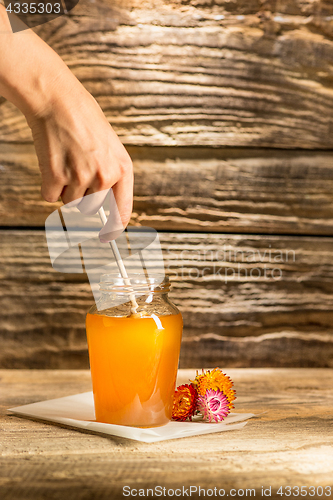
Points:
x=134, y=363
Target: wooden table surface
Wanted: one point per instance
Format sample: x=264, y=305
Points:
x=288, y=445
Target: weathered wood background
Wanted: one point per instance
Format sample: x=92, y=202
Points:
x=227, y=111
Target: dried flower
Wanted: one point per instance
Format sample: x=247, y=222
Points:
x=184, y=403
x=215, y=380
x=213, y=405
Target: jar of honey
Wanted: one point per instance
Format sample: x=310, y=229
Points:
x=134, y=356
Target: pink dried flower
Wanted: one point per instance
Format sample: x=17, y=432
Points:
x=213, y=405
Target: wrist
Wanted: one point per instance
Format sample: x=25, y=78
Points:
x=47, y=92
x=32, y=75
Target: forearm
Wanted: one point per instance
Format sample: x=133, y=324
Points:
x=30, y=71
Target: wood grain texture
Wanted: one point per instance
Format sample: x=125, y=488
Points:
x=246, y=301
x=21, y=203
x=289, y=443
x=252, y=74
x=197, y=189
x=233, y=190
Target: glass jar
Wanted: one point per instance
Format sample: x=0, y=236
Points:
x=134, y=356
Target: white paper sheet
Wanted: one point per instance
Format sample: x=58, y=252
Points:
x=78, y=411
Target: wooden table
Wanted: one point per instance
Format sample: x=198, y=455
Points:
x=288, y=445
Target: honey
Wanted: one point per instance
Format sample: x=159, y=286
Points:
x=134, y=363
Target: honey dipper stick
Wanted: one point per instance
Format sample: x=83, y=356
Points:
x=121, y=265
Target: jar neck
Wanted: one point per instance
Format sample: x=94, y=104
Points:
x=150, y=295
x=137, y=284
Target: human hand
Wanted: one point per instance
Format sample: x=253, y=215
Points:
x=80, y=154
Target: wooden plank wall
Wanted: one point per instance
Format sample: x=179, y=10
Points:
x=227, y=111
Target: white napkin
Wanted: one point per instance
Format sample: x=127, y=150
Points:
x=78, y=411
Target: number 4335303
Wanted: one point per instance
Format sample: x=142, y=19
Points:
x=303, y=491
x=34, y=8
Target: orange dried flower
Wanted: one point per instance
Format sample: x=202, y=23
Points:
x=184, y=403
x=217, y=381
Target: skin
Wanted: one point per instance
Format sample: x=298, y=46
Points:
x=78, y=151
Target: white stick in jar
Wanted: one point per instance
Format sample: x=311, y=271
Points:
x=121, y=266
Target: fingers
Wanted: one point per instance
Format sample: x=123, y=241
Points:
x=52, y=187
x=79, y=178
x=55, y=184
x=95, y=195
x=91, y=203
x=123, y=193
x=121, y=202
x=73, y=194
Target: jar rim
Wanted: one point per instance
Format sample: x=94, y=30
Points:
x=114, y=282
